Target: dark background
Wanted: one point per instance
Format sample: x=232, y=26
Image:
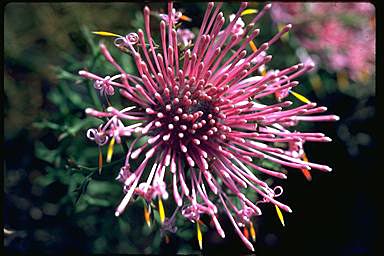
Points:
x=44, y=46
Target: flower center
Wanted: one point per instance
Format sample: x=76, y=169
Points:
x=183, y=121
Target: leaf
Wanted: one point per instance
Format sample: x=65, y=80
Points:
x=46, y=124
x=90, y=40
x=81, y=189
x=97, y=201
x=45, y=154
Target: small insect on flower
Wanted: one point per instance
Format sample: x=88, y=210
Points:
x=197, y=127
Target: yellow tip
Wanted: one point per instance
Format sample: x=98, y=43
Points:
x=300, y=97
x=100, y=161
x=252, y=230
x=185, y=18
x=199, y=235
x=161, y=210
x=245, y=232
x=104, y=33
x=248, y=11
x=263, y=70
x=110, y=150
x=280, y=215
x=147, y=215
x=253, y=46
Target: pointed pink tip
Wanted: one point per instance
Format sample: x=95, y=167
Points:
x=312, y=104
x=146, y=10
x=310, y=65
x=294, y=83
x=268, y=6
x=117, y=214
x=244, y=4
x=264, y=46
x=82, y=72
x=268, y=58
x=211, y=4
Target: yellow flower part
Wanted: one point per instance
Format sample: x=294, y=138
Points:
x=161, y=210
x=110, y=150
x=245, y=232
x=254, y=49
x=248, y=11
x=280, y=215
x=300, y=97
x=263, y=70
x=147, y=215
x=253, y=46
x=252, y=230
x=306, y=173
x=185, y=18
x=104, y=33
x=199, y=235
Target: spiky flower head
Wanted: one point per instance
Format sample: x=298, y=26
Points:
x=198, y=114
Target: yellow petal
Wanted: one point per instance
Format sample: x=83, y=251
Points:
x=147, y=215
x=263, y=70
x=199, y=235
x=300, y=97
x=280, y=215
x=248, y=11
x=305, y=172
x=110, y=150
x=253, y=232
x=185, y=18
x=253, y=46
x=245, y=232
x=100, y=161
x=104, y=33
x=161, y=210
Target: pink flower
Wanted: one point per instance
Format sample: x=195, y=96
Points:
x=199, y=118
x=239, y=25
x=185, y=36
x=322, y=29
